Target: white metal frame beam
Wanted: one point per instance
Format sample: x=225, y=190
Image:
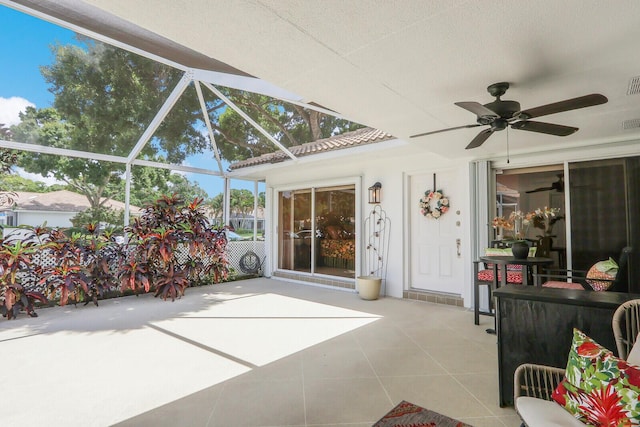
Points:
x=160, y=115
x=255, y=85
x=34, y=148
x=207, y=121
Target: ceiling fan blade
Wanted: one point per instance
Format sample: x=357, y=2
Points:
x=541, y=127
x=479, y=139
x=477, y=109
x=566, y=105
x=444, y=130
x=537, y=190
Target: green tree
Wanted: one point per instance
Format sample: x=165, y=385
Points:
x=16, y=182
x=289, y=124
x=112, y=217
x=105, y=98
x=149, y=184
x=216, y=204
x=5, y=132
x=188, y=190
x=241, y=202
x=7, y=160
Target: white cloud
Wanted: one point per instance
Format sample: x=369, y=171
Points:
x=49, y=180
x=10, y=107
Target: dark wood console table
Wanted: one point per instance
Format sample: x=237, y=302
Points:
x=535, y=325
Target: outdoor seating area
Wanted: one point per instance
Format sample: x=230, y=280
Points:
x=547, y=395
x=498, y=267
x=282, y=214
x=259, y=352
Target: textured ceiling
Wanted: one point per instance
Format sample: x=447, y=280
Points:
x=399, y=66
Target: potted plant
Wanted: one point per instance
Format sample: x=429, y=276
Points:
x=518, y=224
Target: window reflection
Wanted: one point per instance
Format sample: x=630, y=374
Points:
x=317, y=231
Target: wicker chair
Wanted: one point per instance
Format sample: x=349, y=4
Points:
x=626, y=326
x=540, y=381
x=536, y=380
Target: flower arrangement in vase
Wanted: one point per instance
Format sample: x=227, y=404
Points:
x=545, y=218
x=518, y=223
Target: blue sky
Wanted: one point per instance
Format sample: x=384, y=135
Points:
x=26, y=42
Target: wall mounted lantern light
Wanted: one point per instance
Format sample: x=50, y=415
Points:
x=374, y=193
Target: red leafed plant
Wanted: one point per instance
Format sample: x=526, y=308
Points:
x=15, y=262
x=134, y=275
x=85, y=265
x=67, y=277
x=171, y=245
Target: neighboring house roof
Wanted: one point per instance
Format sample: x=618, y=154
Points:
x=356, y=138
x=60, y=201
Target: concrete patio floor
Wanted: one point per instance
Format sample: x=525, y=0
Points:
x=259, y=352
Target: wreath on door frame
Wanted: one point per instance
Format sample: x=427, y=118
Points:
x=434, y=204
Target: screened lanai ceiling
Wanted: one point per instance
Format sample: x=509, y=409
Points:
x=400, y=66
x=184, y=75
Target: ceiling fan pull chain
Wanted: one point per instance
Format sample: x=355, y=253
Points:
x=507, y=145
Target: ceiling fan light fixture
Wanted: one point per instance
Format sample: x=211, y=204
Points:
x=499, y=124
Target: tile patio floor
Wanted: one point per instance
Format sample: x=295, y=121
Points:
x=259, y=352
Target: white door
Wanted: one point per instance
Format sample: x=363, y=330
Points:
x=435, y=248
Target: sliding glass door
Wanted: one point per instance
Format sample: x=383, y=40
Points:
x=601, y=217
x=317, y=230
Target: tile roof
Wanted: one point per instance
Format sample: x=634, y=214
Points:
x=60, y=201
x=355, y=138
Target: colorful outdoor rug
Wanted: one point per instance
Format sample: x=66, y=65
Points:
x=407, y=414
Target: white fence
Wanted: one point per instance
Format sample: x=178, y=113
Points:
x=239, y=255
x=244, y=257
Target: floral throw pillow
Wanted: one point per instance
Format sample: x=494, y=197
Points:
x=599, y=389
x=604, y=270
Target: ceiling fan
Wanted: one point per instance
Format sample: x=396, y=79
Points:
x=557, y=185
x=499, y=114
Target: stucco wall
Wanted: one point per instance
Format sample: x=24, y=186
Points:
x=53, y=219
x=392, y=164
x=389, y=167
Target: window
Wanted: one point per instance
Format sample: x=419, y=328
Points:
x=317, y=230
x=602, y=216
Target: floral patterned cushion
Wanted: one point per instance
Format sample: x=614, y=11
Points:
x=599, y=389
x=512, y=276
x=562, y=285
x=604, y=270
